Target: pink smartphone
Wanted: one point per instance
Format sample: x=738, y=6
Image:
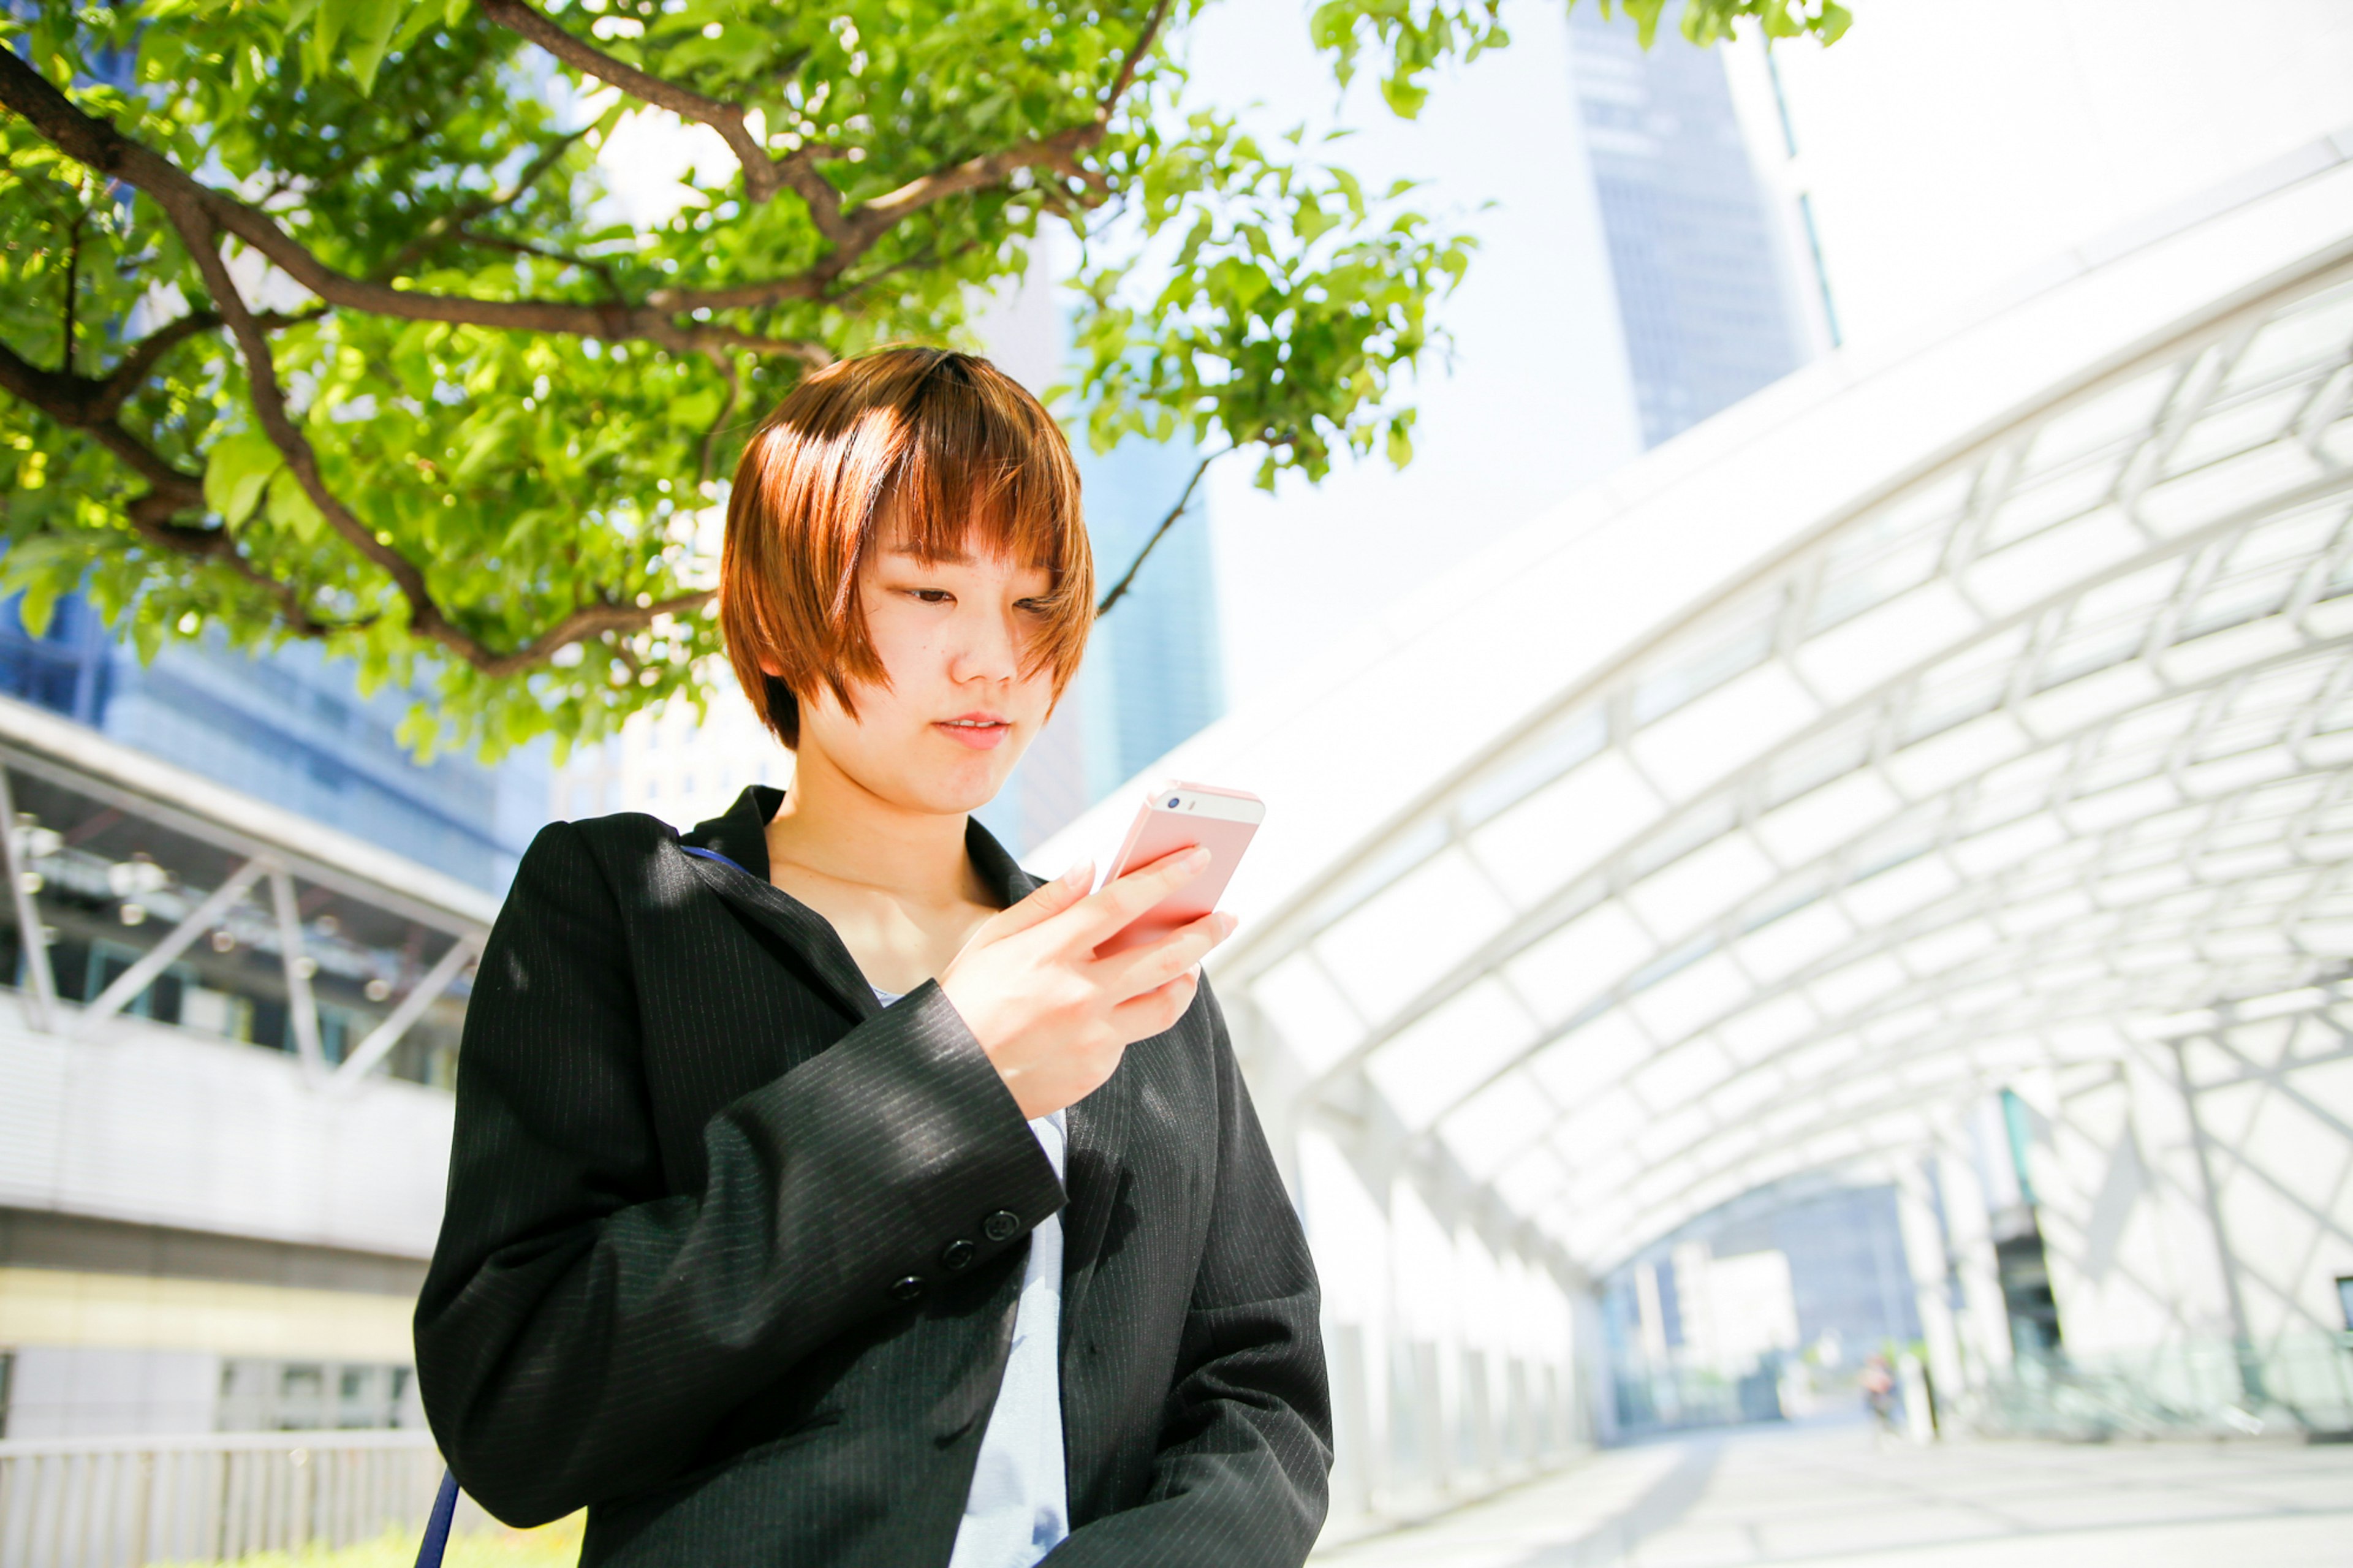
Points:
x=1178, y=816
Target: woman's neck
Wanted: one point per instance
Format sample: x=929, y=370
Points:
x=834, y=827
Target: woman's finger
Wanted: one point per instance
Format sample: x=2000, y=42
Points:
x=1043, y=904
x=1111, y=910
x=1155, y=1011
x=1141, y=969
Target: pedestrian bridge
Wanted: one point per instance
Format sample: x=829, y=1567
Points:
x=1930, y=774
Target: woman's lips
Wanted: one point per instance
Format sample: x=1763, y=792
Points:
x=981, y=735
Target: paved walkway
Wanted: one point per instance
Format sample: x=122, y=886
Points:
x=1785, y=1497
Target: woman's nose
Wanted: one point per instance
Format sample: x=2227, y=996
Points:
x=988, y=649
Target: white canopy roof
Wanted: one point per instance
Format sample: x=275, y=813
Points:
x=1924, y=717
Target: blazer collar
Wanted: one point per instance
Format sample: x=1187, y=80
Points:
x=739, y=836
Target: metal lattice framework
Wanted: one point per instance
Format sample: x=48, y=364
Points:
x=2047, y=734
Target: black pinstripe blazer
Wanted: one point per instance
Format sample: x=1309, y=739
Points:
x=731, y=1252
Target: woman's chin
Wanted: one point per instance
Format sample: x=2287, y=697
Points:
x=961, y=788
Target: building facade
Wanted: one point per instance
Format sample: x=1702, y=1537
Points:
x=288, y=727
x=1702, y=282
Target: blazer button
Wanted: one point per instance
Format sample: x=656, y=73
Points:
x=1001, y=1226
x=958, y=1253
x=909, y=1289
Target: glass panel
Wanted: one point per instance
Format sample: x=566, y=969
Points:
x=1576, y=1068
x=1788, y=944
x=1442, y=1057
x=2300, y=343
x=1559, y=833
x=1721, y=732
x=1553, y=749
x=2204, y=495
x=1816, y=824
x=1387, y=952
x=1580, y=960
x=1675, y=1007
x=2049, y=500
x=1939, y=952
x=1497, y=1123
x=1827, y=757
x=1869, y=649
x=2109, y=421
x=1736, y=641
x=2063, y=710
x=1702, y=886
x=1881, y=898
x=2232, y=426
x=1682, y=1077
x=1848, y=991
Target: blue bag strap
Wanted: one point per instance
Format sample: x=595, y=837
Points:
x=436, y=1528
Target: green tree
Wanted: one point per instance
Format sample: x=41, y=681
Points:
x=317, y=319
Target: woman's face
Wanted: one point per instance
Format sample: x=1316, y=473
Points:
x=959, y=710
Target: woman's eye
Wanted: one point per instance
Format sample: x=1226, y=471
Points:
x=932, y=595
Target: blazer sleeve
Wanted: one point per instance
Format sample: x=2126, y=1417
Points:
x=583, y=1328
x=1245, y=1458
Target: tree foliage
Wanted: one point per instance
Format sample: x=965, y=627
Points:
x=318, y=318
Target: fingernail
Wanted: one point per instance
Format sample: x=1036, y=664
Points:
x=1082, y=871
x=1226, y=924
x=1198, y=855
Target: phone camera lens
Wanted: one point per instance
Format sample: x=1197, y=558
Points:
x=1172, y=802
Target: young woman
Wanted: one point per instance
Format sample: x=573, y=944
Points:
x=817, y=1197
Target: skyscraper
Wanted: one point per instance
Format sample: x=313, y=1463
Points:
x=1700, y=279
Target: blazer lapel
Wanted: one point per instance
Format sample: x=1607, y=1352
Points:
x=808, y=934
x=740, y=876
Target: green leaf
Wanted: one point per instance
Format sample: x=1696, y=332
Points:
x=371, y=24
x=290, y=508
x=236, y=471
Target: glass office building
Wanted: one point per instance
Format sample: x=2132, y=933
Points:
x=1701, y=291
x=289, y=727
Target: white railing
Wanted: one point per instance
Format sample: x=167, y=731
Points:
x=120, y=1502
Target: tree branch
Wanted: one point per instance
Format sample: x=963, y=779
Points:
x=455, y=221
x=1183, y=502
x=597, y=270
x=87, y=405
x=73, y=288
x=1128, y=66
x=426, y=617
x=585, y=57
x=99, y=146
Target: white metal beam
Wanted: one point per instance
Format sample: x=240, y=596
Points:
x=386, y=1034
x=201, y=919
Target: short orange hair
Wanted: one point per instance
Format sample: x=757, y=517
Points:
x=944, y=445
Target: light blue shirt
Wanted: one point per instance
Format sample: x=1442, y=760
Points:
x=1019, y=1509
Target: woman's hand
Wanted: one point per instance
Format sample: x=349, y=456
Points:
x=1053, y=1018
